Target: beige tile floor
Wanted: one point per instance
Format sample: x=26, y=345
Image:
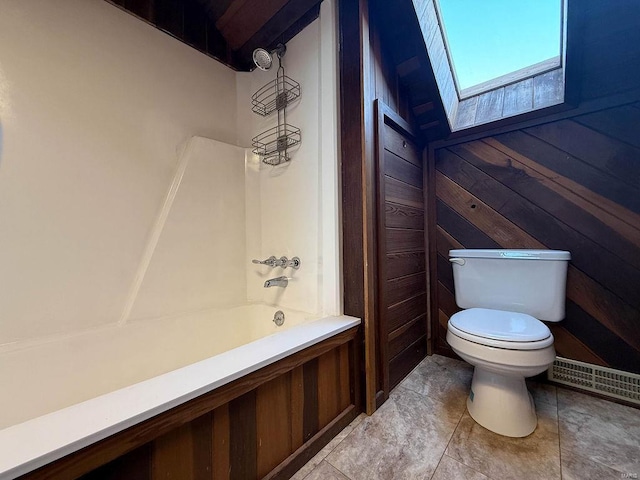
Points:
x=424, y=432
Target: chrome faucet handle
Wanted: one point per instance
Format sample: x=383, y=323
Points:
x=294, y=263
x=284, y=262
x=271, y=261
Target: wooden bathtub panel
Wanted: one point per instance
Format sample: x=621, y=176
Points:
x=273, y=423
x=297, y=405
x=328, y=387
x=202, y=451
x=218, y=434
x=173, y=454
x=344, y=382
x=310, y=403
x=243, y=437
x=135, y=464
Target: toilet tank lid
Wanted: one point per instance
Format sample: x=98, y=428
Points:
x=500, y=325
x=511, y=254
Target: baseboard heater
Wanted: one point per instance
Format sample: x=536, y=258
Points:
x=593, y=378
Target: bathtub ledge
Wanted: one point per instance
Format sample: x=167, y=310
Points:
x=27, y=446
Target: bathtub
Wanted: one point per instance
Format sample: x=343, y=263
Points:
x=84, y=388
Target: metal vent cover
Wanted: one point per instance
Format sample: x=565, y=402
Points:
x=603, y=380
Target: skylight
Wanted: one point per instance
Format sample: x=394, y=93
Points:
x=495, y=42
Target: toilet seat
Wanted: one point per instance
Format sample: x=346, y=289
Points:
x=500, y=329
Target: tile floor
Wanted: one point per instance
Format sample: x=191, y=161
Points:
x=424, y=432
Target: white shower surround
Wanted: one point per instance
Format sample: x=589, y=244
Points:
x=122, y=259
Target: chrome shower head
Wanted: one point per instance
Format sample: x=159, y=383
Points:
x=264, y=59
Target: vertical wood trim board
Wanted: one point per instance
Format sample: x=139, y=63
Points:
x=367, y=72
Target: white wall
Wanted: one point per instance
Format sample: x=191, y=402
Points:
x=292, y=209
x=113, y=205
x=95, y=106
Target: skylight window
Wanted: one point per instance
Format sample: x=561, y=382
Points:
x=491, y=43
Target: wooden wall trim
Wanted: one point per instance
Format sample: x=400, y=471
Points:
x=369, y=70
x=369, y=240
x=431, y=245
x=353, y=168
x=351, y=153
x=382, y=366
x=551, y=114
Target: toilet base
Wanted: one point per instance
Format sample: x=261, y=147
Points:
x=501, y=403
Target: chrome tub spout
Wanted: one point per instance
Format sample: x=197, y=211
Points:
x=276, y=282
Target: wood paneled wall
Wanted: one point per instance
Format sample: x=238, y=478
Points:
x=607, y=57
x=265, y=425
x=402, y=259
x=571, y=184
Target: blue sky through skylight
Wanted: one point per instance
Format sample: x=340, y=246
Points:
x=490, y=38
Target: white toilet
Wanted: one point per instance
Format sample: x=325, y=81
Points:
x=506, y=294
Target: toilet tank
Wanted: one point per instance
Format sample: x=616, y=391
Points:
x=526, y=281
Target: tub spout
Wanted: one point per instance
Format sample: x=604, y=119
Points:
x=276, y=282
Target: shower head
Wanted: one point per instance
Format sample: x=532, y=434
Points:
x=264, y=59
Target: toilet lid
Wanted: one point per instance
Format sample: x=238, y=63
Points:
x=500, y=325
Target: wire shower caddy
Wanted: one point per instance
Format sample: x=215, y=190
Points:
x=275, y=95
x=273, y=144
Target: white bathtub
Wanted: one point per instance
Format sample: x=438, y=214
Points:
x=84, y=388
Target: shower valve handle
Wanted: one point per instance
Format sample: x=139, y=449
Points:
x=284, y=262
x=271, y=261
x=294, y=263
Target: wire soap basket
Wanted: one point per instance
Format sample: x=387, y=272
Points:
x=273, y=144
x=275, y=95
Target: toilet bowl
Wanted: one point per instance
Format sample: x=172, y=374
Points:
x=502, y=357
x=506, y=293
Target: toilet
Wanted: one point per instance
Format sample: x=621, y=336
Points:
x=505, y=294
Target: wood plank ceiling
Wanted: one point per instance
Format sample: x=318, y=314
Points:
x=228, y=30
